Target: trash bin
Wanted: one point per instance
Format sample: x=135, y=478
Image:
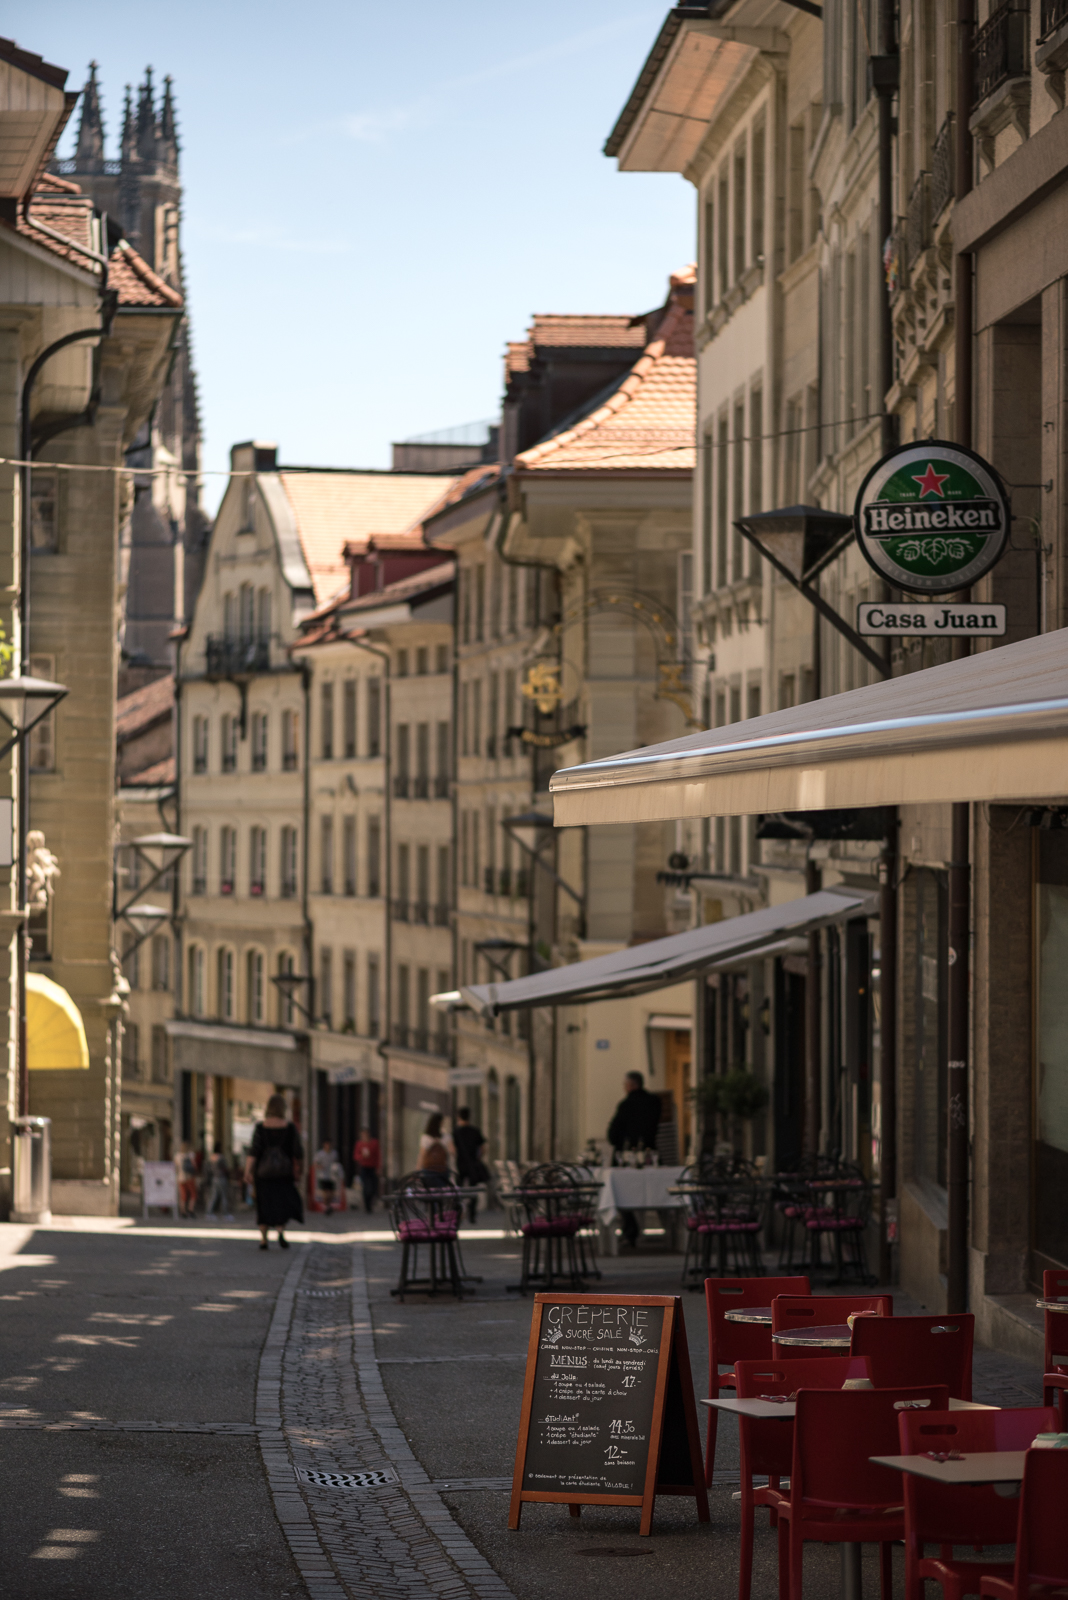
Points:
x=32, y=1164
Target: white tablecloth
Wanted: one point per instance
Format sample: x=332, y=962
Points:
x=636, y=1189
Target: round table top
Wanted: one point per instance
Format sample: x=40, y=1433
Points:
x=1053, y=1305
x=837, y=1336
x=760, y=1315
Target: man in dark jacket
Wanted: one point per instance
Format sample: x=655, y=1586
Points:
x=635, y=1122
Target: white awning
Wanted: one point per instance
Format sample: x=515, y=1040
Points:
x=662, y=962
x=992, y=726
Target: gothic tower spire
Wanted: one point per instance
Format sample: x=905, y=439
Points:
x=90, y=147
x=129, y=129
x=168, y=126
x=146, y=119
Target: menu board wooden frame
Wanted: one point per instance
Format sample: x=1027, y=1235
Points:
x=678, y=1413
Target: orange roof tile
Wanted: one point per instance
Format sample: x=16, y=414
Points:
x=141, y=707
x=586, y=332
x=65, y=212
x=647, y=424
x=161, y=773
x=338, y=509
x=136, y=282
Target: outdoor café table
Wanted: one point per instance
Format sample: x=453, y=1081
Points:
x=446, y=1262
x=990, y=1466
x=763, y=1410
x=837, y=1336
x=634, y=1189
x=759, y=1315
x=711, y=1195
x=1053, y=1305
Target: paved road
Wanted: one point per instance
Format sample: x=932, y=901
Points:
x=160, y=1393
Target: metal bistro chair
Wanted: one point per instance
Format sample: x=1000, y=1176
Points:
x=554, y=1217
x=844, y=1221
x=426, y=1215
x=698, y=1208
x=735, y=1229
x=586, y=1238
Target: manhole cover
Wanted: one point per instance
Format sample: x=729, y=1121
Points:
x=323, y=1294
x=609, y=1551
x=346, y=1480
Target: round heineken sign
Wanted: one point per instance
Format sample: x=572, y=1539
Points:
x=932, y=517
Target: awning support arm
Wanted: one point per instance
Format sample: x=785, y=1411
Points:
x=826, y=611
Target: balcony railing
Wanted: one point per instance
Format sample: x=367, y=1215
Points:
x=227, y=658
x=421, y=788
x=1054, y=15
x=917, y=219
x=421, y=912
x=441, y=786
x=943, y=170
x=1001, y=51
x=441, y=916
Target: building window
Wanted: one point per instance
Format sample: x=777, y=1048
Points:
x=374, y=997
x=263, y=616
x=326, y=986
x=247, y=616
x=326, y=721
x=160, y=1063
x=348, y=853
x=230, y=731
x=480, y=604
x=43, y=737
x=200, y=861
x=161, y=962
x=44, y=512
x=348, y=991
x=348, y=716
x=402, y=891
x=131, y=960
x=441, y=663
x=926, y=898
x=422, y=661
x=404, y=1003
x=402, y=761
x=230, y=617
x=513, y=599
x=286, y=1009
x=465, y=719
x=227, y=860
x=259, y=741
x=374, y=716
x=441, y=909
x=402, y=663
x=290, y=741
x=257, y=861
x=374, y=858
x=196, y=980
x=326, y=855
x=441, y=777
x=422, y=761
x=225, y=984
x=476, y=716
x=288, y=863
x=131, y=1051
x=255, y=986
x=441, y=1021
x=493, y=730
x=200, y=744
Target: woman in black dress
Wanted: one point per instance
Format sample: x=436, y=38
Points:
x=274, y=1165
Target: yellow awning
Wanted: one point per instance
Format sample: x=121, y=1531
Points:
x=55, y=1033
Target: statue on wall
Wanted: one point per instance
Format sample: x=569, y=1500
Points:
x=42, y=869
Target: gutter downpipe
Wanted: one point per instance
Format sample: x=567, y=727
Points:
x=387, y=885
x=305, y=905
x=958, y=1175
x=23, y=808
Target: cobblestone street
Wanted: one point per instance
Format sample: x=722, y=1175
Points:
x=181, y=1414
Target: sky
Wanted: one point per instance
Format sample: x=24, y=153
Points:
x=377, y=197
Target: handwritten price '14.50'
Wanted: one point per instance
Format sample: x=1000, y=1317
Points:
x=620, y=1425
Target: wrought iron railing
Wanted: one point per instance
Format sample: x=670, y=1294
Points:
x=1054, y=15
x=229, y=657
x=943, y=170
x=917, y=219
x=1001, y=50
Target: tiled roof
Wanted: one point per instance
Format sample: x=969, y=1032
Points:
x=586, y=333
x=647, y=423
x=338, y=509
x=332, y=622
x=136, y=282
x=157, y=776
x=142, y=707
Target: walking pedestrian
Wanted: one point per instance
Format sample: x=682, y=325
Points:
x=219, y=1194
x=186, y=1168
x=433, y=1149
x=365, y=1154
x=329, y=1176
x=470, y=1168
x=274, y=1164
x=635, y=1123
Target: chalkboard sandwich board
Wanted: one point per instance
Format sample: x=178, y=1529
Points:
x=608, y=1417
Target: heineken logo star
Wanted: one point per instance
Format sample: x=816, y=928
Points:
x=931, y=482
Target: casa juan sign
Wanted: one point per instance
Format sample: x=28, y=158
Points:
x=932, y=518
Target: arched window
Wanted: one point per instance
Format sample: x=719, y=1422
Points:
x=225, y=984
x=195, y=999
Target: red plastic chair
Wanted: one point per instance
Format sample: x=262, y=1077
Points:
x=1055, y=1363
x=918, y=1350
x=975, y=1514
x=767, y=1447
x=1042, y=1531
x=838, y=1496
x=729, y=1342
x=794, y=1313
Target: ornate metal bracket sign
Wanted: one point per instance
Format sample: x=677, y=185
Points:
x=932, y=517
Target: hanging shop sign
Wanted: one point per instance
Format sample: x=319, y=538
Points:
x=929, y=619
x=548, y=741
x=932, y=518
x=608, y=1413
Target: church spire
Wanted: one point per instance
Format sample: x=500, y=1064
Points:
x=129, y=129
x=90, y=148
x=146, y=119
x=168, y=126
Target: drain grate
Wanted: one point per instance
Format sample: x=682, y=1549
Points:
x=323, y=1294
x=372, y=1479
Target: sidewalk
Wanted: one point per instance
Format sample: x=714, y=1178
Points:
x=163, y=1391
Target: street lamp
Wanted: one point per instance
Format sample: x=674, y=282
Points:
x=144, y=920
x=799, y=541
x=24, y=702
x=287, y=984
